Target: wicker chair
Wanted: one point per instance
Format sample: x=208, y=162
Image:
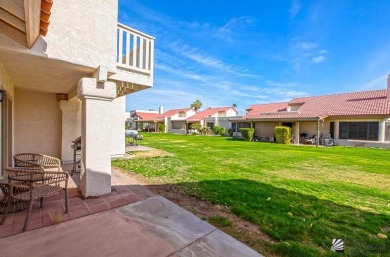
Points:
x=27, y=185
x=28, y=160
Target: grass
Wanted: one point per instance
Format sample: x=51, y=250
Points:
x=301, y=196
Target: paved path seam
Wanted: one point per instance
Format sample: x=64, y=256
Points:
x=200, y=238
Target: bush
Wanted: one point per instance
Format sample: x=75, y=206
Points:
x=196, y=126
x=283, y=134
x=216, y=130
x=205, y=130
x=230, y=132
x=161, y=128
x=222, y=131
x=247, y=133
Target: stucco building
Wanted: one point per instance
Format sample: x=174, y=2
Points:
x=351, y=119
x=65, y=68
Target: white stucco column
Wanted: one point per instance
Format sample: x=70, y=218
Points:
x=96, y=100
x=336, y=130
x=71, y=128
x=382, y=131
x=296, y=132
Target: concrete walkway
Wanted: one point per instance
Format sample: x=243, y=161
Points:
x=151, y=228
x=147, y=225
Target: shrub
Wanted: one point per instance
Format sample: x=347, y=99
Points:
x=161, y=128
x=247, y=133
x=222, y=131
x=283, y=134
x=205, y=130
x=196, y=126
x=230, y=132
x=216, y=130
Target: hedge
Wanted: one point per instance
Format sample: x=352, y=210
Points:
x=161, y=128
x=247, y=133
x=283, y=134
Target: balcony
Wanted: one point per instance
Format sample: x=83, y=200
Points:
x=135, y=60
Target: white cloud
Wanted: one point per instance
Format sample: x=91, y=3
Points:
x=185, y=73
x=379, y=82
x=307, y=45
x=318, y=59
x=295, y=8
x=281, y=84
x=208, y=60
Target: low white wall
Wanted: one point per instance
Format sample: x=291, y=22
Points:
x=361, y=143
x=178, y=131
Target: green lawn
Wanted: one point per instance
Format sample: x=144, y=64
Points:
x=301, y=196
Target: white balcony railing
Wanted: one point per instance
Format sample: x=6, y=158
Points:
x=135, y=52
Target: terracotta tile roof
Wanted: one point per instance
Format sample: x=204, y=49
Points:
x=173, y=112
x=208, y=112
x=348, y=104
x=45, y=16
x=255, y=110
x=147, y=116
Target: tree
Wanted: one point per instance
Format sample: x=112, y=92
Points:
x=196, y=105
x=234, y=106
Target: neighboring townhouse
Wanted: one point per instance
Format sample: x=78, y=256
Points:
x=212, y=117
x=146, y=121
x=65, y=68
x=176, y=120
x=351, y=119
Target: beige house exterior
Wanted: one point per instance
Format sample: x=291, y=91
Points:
x=176, y=120
x=64, y=73
x=350, y=119
x=212, y=117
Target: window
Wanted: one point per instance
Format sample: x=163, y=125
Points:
x=331, y=129
x=240, y=125
x=178, y=125
x=359, y=130
x=210, y=125
x=182, y=114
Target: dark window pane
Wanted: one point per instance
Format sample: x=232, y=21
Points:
x=352, y=130
x=362, y=130
x=331, y=129
x=373, y=131
x=343, y=130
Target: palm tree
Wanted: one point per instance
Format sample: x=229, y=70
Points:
x=196, y=105
x=234, y=106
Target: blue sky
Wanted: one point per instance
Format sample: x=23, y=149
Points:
x=250, y=52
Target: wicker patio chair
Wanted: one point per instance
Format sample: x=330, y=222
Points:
x=28, y=160
x=27, y=185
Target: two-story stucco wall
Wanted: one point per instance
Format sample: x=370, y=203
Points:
x=82, y=32
x=37, y=119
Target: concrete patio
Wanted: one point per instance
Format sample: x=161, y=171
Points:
x=131, y=221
